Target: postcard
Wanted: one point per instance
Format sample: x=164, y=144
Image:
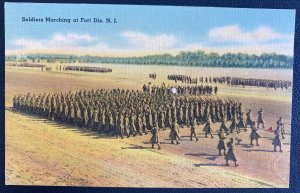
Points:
x=148, y=96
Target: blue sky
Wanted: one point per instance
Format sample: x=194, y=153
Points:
x=144, y=30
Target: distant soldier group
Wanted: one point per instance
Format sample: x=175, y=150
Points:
x=236, y=81
x=152, y=75
x=181, y=90
x=87, y=69
x=30, y=65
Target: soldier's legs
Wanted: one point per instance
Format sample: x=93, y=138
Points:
x=235, y=164
x=257, y=142
x=100, y=128
x=145, y=130
x=227, y=162
x=158, y=146
x=196, y=137
x=220, y=152
x=140, y=130
x=126, y=132
x=251, y=142
x=122, y=133
x=211, y=135
x=282, y=132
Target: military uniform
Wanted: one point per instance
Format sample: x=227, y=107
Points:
x=132, y=129
x=223, y=126
x=254, y=135
x=280, y=126
x=260, y=119
x=249, y=120
x=155, y=137
x=207, y=128
x=193, y=130
x=221, y=145
x=242, y=122
x=277, y=141
x=230, y=155
x=174, y=134
x=234, y=125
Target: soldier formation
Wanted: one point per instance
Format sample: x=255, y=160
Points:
x=126, y=112
x=31, y=65
x=86, y=68
x=236, y=81
x=181, y=90
x=119, y=113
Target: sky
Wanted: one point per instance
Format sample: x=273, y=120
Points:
x=144, y=30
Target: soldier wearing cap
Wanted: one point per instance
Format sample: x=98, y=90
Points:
x=155, y=137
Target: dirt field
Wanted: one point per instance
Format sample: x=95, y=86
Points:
x=42, y=152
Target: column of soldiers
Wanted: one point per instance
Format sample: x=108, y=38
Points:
x=126, y=112
x=181, y=90
x=236, y=81
x=85, y=68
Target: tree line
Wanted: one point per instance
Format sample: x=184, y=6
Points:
x=197, y=59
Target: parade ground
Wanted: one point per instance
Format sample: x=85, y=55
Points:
x=43, y=152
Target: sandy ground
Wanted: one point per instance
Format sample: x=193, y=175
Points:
x=42, y=152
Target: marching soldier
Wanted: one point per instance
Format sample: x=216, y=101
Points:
x=249, y=120
x=277, y=141
x=280, y=126
x=230, y=155
x=223, y=126
x=234, y=125
x=242, y=122
x=85, y=118
x=221, y=144
x=132, y=129
x=161, y=120
x=260, y=119
x=155, y=137
x=120, y=126
x=139, y=123
x=95, y=122
x=144, y=124
x=207, y=128
x=126, y=125
x=174, y=134
x=193, y=130
x=254, y=135
x=101, y=120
